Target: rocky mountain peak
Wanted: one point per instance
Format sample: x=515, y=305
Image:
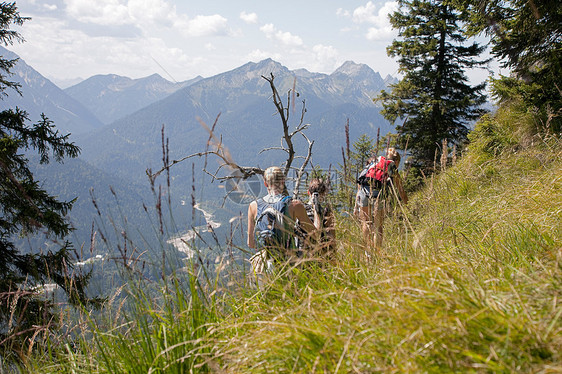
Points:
x=353, y=69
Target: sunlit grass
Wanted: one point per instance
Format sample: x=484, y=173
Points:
x=469, y=280
x=475, y=286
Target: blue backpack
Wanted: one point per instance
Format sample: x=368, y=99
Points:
x=271, y=230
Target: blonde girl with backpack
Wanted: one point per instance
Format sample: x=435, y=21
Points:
x=271, y=223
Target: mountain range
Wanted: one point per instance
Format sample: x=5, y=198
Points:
x=122, y=126
x=247, y=122
x=40, y=95
x=110, y=97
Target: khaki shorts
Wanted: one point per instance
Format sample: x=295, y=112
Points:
x=363, y=198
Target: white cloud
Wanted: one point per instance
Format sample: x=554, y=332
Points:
x=364, y=13
x=268, y=30
x=145, y=14
x=148, y=12
x=102, y=12
x=326, y=57
x=382, y=33
x=288, y=39
x=61, y=52
x=249, y=17
x=123, y=12
x=340, y=12
x=285, y=38
x=206, y=25
x=324, y=52
x=50, y=7
x=139, y=37
x=369, y=13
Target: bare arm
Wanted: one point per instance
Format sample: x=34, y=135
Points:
x=252, y=211
x=400, y=188
x=330, y=225
x=298, y=211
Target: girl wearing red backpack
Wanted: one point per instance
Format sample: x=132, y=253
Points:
x=374, y=185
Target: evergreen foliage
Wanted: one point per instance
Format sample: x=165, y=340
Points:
x=363, y=150
x=434, y=98
x=25, y=209
x=526, y=37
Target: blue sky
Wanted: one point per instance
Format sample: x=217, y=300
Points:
x=69, y=39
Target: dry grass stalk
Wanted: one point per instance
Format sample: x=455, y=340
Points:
x=444, y=154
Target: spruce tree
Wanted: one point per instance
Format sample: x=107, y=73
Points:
x=526, y=37
x=363, y=150
x=27, y=209
x=434, y=100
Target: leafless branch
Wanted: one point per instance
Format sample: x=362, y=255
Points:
x=284, y=114
x=215, y=147
x=303, y=166
x=288, y=136
x=274, y=149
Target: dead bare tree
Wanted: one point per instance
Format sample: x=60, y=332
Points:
x=229, y=169
x=287, y=144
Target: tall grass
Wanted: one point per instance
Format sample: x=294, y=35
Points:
x=469, y=280
x=161, y=327
x=471, y=283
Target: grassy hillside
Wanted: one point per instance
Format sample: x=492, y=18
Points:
x=470, y=280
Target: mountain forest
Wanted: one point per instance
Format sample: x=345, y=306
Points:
x=126, y=205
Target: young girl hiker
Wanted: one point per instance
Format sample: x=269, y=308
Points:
x=317, y=203
x=374, y=185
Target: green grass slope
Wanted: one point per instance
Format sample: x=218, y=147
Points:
x=469, y=280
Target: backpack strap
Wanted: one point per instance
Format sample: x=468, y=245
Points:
x=287, y=228
x=362, y=178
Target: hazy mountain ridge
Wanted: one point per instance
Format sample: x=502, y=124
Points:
x=242, y=98
x=40, y=95
x=77, y=180
x=111, y=96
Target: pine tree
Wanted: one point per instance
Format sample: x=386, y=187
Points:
x=526, y=37
x=434, y=99
x=26, y=209
x=363, y=150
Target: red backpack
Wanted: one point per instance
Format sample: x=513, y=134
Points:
x=376, y=173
